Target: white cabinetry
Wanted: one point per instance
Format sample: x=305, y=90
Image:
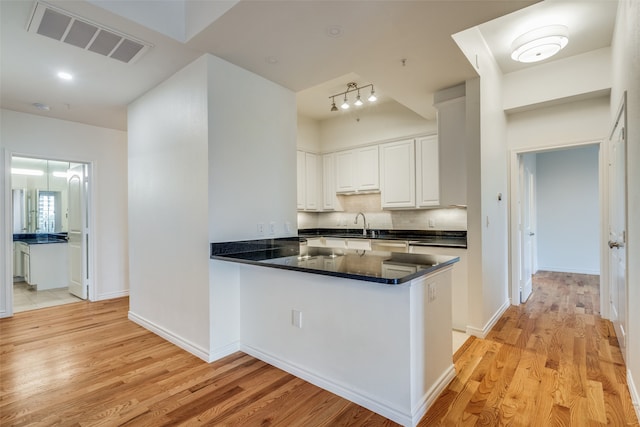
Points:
x=427, y=172
x=398, y=174
x=329, y=200
x=409, y=173
x=452, y=151
x=357, y=170
x=309, y=181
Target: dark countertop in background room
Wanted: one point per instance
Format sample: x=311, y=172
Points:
x=40, y=238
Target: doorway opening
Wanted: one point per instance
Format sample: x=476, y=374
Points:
x=556, y=211
x=50, y=206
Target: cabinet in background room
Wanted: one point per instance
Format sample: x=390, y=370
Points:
x=357, y=170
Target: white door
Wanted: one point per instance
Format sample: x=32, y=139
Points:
x=527, y=215
x=617, y=233
x=78, y=236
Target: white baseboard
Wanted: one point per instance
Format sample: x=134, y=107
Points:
x=433, y=393
x=386, y=410
x=224, y=351
x=482, y=333
x=171, y=337
x=570, y=270
x=633, y=390
x=112, y=295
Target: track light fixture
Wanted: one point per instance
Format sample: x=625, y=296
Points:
x=352, y=87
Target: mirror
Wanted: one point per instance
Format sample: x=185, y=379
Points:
x=39, y=195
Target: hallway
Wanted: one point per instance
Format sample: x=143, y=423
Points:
x=551, y=361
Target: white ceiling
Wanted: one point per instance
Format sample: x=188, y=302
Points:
x=284, y=41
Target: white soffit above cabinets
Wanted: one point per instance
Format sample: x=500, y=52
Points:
x=68, y=28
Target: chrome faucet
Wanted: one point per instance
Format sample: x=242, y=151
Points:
x=364, y=225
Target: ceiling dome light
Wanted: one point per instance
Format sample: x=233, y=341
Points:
x=540, y=44
x=65, y=76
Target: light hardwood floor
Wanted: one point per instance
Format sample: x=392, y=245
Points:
x=550, y=362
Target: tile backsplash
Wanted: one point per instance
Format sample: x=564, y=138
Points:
x=423, y=219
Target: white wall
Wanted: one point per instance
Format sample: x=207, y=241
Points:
x=568, y=210
x=575, y=76
x=626, y=69
x=168, y=209
x=205, y=167
x=106, y=149
x=252, y=155
x=252, y=179
x=558, y=125
x=376, y=123
x=487, y=178
x=308, y=137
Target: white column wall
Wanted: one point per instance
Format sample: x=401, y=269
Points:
x=626, y=69
x=252, y=155
x=252, y=179
x=36, y=136
x=168, y=209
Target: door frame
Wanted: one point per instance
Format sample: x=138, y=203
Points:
x=514, y=195
x=8, y=225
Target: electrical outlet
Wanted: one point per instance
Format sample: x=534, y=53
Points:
x=272, y=228
x=260, y=228
x=287, y=227
x=432, y=223
x=431, y=289
x=296, y=318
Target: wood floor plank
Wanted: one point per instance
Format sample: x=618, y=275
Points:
x=550, y=362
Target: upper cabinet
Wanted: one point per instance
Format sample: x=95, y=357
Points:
x=309, y=181
x=428, y=172
x=409, y=173
x=398, y=174
x=330, y=201
x=357, y=170
x=451, y=106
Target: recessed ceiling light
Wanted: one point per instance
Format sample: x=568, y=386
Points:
x=65, y=76
x=334, y=31
x=41, y=106
x=271, y=60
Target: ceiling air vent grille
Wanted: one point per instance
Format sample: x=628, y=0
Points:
x=68, y=28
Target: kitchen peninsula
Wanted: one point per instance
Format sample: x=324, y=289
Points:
x=371, y=326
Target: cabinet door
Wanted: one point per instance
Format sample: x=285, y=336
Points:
x=368, y=177
x=311, y=181
x=329, y=200
x=398, y=175
x=345, y=171
x=427, y=174
x=300, y=161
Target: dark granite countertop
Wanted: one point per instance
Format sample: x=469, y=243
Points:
x=444, y=238
x=40, y=238
x=372, y=266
